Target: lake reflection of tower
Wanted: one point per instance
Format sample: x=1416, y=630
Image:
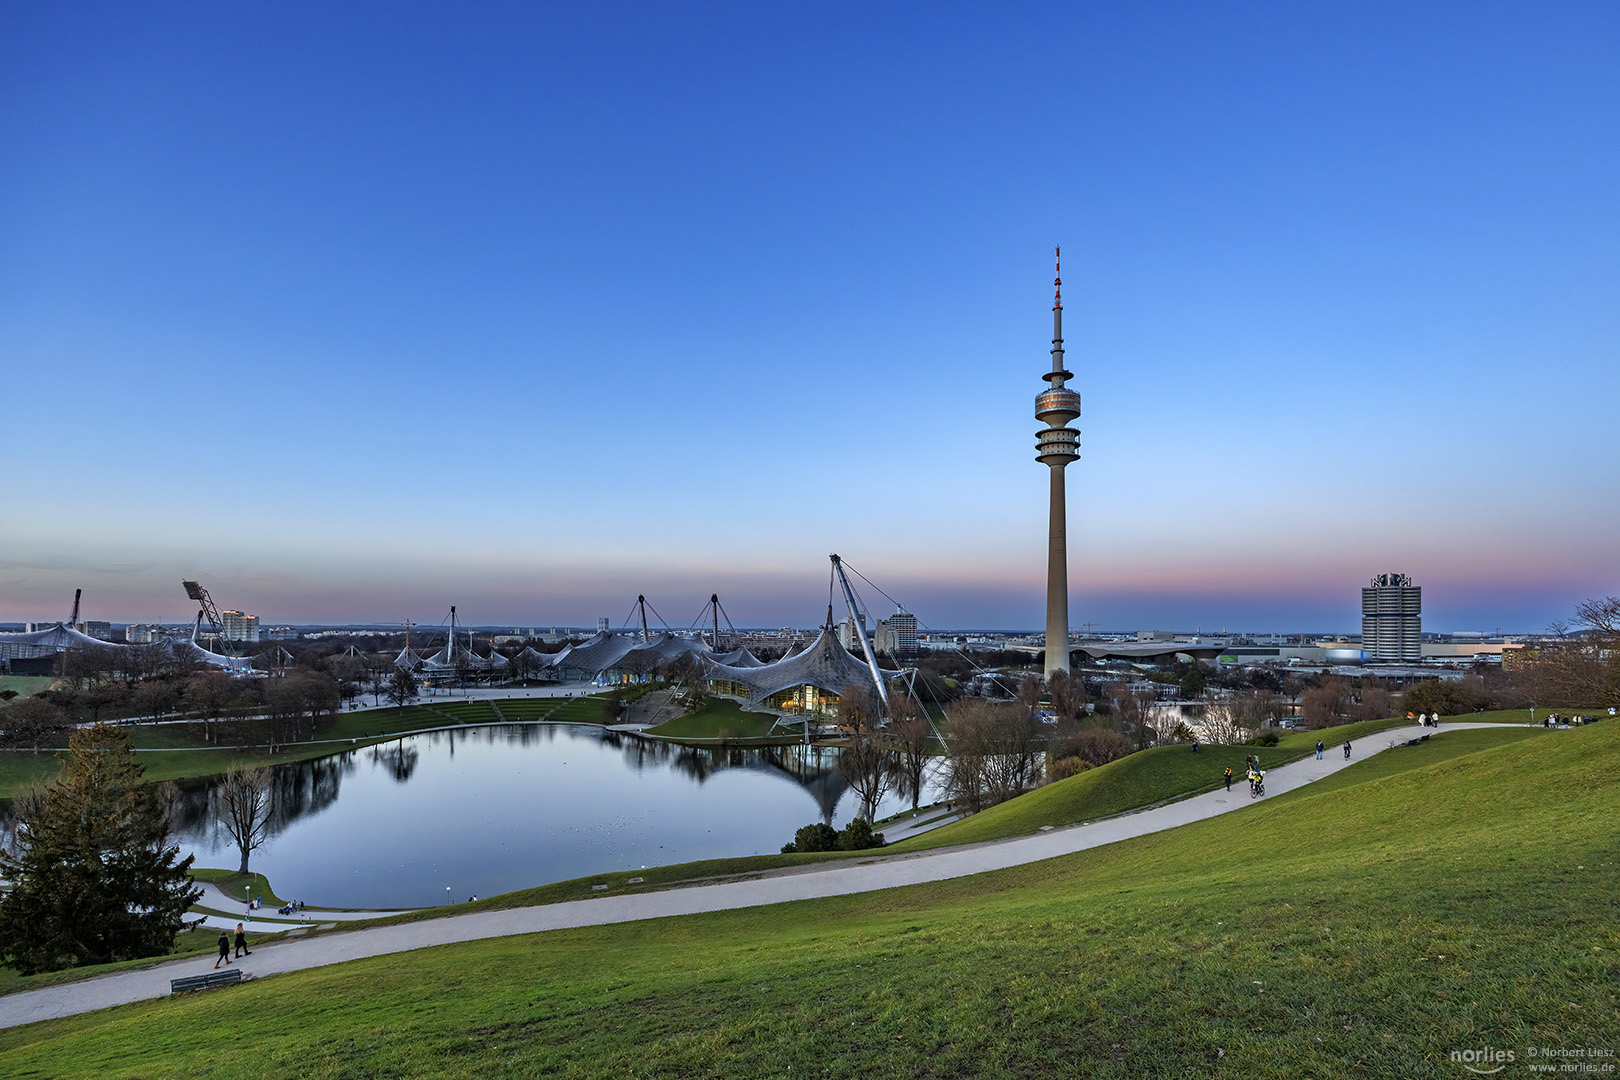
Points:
x=1056, y=446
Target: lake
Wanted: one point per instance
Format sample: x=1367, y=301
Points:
x=485, y=810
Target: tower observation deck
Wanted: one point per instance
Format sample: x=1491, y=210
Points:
x=1055, y=446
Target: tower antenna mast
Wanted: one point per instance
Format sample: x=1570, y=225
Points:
x=1055, y=446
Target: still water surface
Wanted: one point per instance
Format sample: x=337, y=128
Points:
x=481, y=811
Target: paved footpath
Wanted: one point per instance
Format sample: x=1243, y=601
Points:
x=774, y=887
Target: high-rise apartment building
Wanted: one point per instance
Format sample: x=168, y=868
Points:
x=235, y=626
x=1392, y=619
x=897, y=635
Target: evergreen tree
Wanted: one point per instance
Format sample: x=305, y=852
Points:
x=94, y=877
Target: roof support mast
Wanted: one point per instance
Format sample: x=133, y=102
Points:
x=860, y=628
x=641, y=602
x=715, y=600
x=196, y=592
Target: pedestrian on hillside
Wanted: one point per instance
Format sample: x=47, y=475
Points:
x=1229, y=778
x=224, y=948
x=1347, y=749
x=241, y=942
x=1319, y=749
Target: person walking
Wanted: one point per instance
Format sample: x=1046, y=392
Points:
x=241, y=942
x=224, y=949
x=1319, y=749
x=1347, y=749
x=1229, y=778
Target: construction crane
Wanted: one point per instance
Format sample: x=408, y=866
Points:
x=200, y=594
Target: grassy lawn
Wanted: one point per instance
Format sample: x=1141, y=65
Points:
x=1137, y=780
x=27, y=685
x=1522, y=716
x=236, y=884
x=720, y=718
x=1442, y=746
x=1364, y=931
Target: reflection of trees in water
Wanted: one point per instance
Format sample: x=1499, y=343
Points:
x=813, y=768
x=301, y=789
x=306, y=788
x=396, y=759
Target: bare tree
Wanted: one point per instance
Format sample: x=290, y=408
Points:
x=994, y=752
x=1583, y=667
x=1138, y=715
x=244, y=802
x=1235, y=717
x=30, y=722
x=686, y=674
x=1224, y=720
x=866, y=764
x=1067, y=695
x=1029, y=694
x=913, y=738
x=208, y=693
x=378, y=677
x=401, y=689
x=1327, y=703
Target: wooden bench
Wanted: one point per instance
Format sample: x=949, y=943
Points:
x=205, y=982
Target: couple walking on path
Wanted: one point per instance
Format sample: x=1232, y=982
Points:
x=225, y=945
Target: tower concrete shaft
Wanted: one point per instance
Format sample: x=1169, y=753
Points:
x=1055, y=446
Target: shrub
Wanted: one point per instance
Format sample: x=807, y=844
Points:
x=817, y=837
x=1268, y=738
x=858, y=836
x=1095, y=746
x=1065, y=767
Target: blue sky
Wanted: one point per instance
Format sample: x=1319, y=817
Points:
x=357, y=311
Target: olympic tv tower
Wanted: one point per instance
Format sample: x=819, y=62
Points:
x=1056, y=446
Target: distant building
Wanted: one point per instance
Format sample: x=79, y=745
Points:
x=848, y=636
x=897, y=635
x=278, y=633
x=604, y=625
x=102, y=631
x=142, y=633
x=239, y=627
x=1392, y=619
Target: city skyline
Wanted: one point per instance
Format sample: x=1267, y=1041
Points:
x=531, y=311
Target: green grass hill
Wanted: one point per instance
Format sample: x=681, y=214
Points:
x=1368, y=929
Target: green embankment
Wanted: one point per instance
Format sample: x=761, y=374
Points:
x=1137, y=780
x=243, y=885
x=1365, y=931
x=1442, y=746
x=719, y=718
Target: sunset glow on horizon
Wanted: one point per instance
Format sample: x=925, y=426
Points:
x=531, y=310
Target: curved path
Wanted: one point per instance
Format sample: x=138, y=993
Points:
x=775, y=887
